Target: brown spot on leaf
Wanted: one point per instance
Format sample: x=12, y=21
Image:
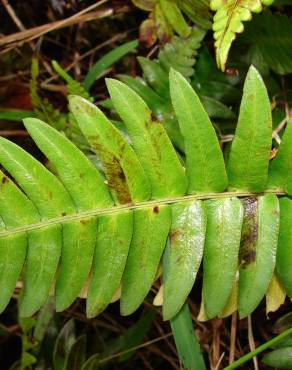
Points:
x=153, y=118
x=114, y=172
x=63, y=214
x=174, y=234
x=5, y=179
x=249, y=234
x=155, y=209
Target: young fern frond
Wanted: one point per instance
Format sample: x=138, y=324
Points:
x=74, y=87
x=63, y=231
x=43, y=109
x=228, y=20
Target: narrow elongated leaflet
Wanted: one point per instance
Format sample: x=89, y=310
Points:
x=123, y=170
x=80, y=177
x=154, y=75
x=280, y=171
x=186, y=342
x=12, y=248
x=107, y=61
x=249, y=156
x=87, y=189
x=51, y=200
x=183, y=254
x=284, y=250
x=204, y=160
x=257, y=251
x=43, y=254
x=109, y=260
x=220, y=260
x=150, y=142
x=146, y=249
x=175, y=18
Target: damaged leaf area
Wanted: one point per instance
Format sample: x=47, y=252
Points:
x=249, y=233
x=259, y=251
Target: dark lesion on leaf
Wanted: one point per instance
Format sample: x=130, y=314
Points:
x=113, y=170
x=156, y=209
x=5, y=180
x=174, y=235
x=153, y=118
x=249, y=234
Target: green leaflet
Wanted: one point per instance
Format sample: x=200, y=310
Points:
x=280, y=172
x=114, y=236
x=12, y=256
x=175, y=17
x=80, y=177
x=221, y=253
x=258, y=250
x=79, y=240
x=185, y=340
x=284, y=250
x=183, y=254
x=13, y=247
x=149, y=238
x=150, y=142
x=43, y=254
x=249, y=156
x=124, y=173
x=204, y=160
x=280, y=358
x=51, y=200
x=43, y=188
x=87, y=191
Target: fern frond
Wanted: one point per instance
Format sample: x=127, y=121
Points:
x=228, y=20
x=73, y=228
x=181, y=54
x=43, y=109
x=74, y=87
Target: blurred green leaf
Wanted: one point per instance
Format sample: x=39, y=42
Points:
x=15, y=115
x=76, y=356
x=280, y=358
x=271, y=34
x=106, y=61
x=63, y=344
x=131, y=338
x=186, y=342
x=92, y=363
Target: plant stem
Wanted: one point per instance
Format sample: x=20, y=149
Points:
x=258, y=350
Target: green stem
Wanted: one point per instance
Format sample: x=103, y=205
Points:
x=129, y=207
x=258, y=350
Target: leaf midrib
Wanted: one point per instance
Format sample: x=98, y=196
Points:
x=129, y=207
